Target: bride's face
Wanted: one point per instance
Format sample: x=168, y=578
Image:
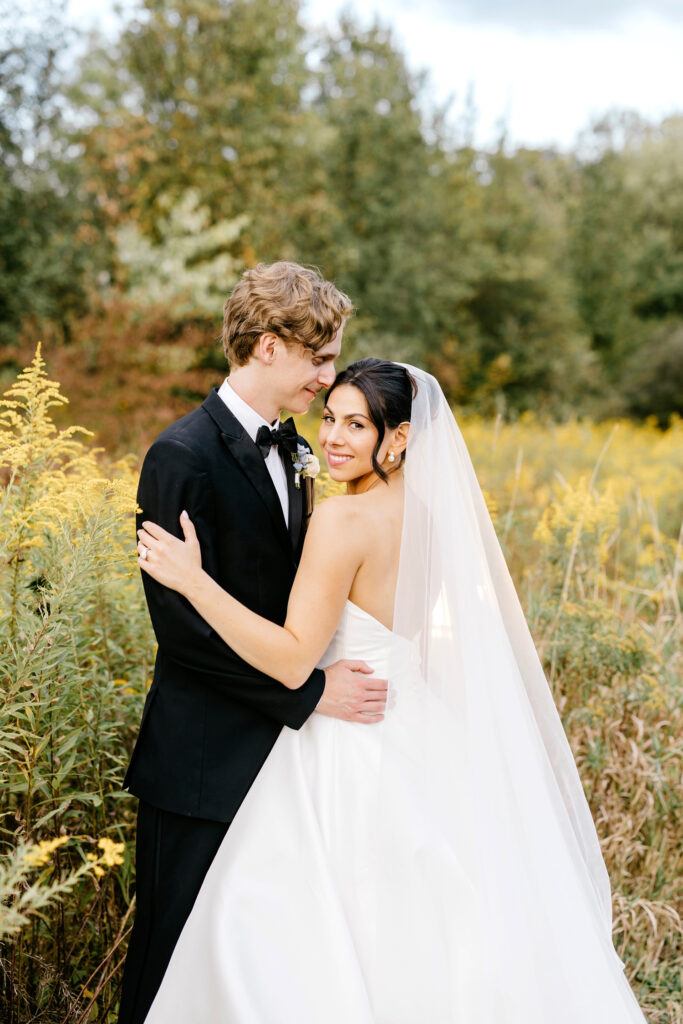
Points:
x=348, y=436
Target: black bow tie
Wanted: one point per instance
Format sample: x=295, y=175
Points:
x=285, y=437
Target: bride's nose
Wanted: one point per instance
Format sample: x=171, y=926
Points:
x=334, y=439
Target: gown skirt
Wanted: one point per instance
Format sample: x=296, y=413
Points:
x=285, y=929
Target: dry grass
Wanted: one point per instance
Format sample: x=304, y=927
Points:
x=589, y=517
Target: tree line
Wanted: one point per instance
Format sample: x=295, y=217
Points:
x=207, y=136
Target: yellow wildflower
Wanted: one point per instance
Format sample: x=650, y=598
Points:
x=112, y=853
x=42, y=852
x=98, y=870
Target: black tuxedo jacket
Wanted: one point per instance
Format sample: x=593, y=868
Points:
x=210, y=719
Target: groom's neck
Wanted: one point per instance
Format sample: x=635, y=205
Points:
x=249, y=383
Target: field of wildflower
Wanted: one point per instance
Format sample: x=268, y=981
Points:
x=589, y=517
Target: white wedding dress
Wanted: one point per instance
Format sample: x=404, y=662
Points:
x=286, y=928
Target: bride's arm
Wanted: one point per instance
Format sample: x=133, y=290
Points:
x=333, y=551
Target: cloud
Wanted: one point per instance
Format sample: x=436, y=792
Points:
x=547, y=84
x=552, y=14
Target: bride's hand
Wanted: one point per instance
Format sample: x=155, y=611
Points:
x=175, y=563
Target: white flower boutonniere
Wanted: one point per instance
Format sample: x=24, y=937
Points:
x=305, y=464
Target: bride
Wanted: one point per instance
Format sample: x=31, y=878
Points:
x=442, y=867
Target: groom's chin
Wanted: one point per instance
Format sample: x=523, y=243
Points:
x=301, y=405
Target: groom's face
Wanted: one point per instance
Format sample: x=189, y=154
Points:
x=302, y=373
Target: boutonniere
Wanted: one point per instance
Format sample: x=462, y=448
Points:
x=305, y=464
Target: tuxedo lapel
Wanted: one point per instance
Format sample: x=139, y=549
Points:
x=307, y=489
x=296, y=495
x=249, y=459
x=309, y=499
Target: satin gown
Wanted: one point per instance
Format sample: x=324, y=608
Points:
x=284, y=929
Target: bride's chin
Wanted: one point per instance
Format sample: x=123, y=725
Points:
x=337, y=473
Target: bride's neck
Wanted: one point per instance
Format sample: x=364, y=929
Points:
x=365, y=483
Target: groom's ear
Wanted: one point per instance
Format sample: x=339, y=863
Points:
x=266, y=347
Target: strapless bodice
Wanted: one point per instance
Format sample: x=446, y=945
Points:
x=360, y=636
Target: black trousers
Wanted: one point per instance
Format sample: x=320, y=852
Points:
x=173, y=854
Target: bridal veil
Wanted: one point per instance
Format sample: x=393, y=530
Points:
x=473, y=727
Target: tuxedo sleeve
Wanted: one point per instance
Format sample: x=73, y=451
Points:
x=173, y=479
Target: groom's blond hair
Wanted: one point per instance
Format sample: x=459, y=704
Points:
x=284, y=298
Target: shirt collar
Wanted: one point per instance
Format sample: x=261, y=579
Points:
x=248, y=417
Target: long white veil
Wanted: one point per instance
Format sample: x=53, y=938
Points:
x=473, y=728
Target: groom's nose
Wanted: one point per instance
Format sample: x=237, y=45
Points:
x=326, y=375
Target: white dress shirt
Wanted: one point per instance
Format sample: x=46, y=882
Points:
x=251, y=421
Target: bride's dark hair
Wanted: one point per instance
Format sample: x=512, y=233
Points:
x=388, y=389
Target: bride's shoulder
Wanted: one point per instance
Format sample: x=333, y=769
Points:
x=338, y=508
x=339, y=515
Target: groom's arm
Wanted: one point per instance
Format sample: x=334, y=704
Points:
x=172, y=479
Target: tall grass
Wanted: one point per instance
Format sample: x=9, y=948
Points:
x=589, y=517
x=75, y=652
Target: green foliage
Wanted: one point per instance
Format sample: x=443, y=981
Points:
x=197, y=96
x=375, y=165
x=43, y=255
x=627, y=242
x=601, y=577
x=192, y=265
x=75, y=654
x=516, y=340
x=524, y=279
x=23, y=896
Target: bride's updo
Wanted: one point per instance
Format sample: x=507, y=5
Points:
x=388, y=389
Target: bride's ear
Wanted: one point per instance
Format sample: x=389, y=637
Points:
x=401, y=437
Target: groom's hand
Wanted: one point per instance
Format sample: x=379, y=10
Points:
x=352, y=694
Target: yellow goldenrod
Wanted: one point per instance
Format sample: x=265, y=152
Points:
x=42, y=852
x=589, y=515
x=112, y=853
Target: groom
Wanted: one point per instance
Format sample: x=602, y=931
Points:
x=210, y=719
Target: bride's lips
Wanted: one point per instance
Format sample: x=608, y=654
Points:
x=337, y=460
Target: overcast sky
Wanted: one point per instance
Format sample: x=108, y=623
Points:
x=545, y=67
x=547, y=13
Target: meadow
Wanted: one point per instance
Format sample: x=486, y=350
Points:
x=589, y=517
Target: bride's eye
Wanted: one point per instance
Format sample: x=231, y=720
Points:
x=328, y=419
x=355, y=423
